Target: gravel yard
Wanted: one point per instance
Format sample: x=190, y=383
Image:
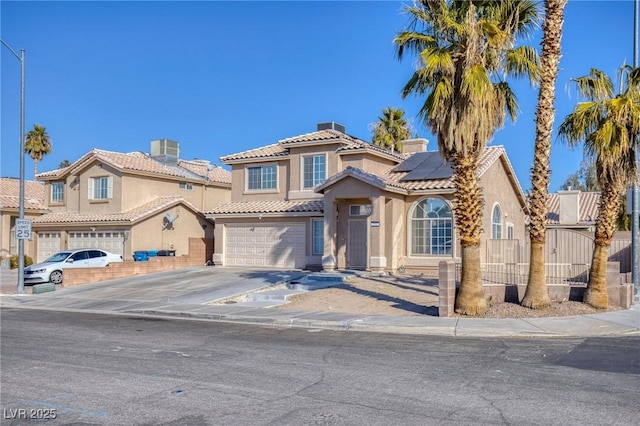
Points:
x=410, y=295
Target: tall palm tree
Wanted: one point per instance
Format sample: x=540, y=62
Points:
x=609, y=124
x=391, y=129
x=465, y=48
x=537, y=295
x=37, y=145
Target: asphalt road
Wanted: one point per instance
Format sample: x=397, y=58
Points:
x=117, y=370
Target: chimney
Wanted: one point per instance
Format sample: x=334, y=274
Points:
x=331, y=125
x=410, y=146
x=569, y=211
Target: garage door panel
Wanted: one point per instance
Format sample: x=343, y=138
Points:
x=268, y=245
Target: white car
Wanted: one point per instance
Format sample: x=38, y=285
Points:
x=51, y=269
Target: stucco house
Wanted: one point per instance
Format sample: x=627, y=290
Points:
x=329, y=200
x=34, y=206
x=127, y=202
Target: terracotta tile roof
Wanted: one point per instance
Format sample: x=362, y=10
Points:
x=218, y=174
x=141, y=162
x=587, y=208
x=254, y=207
x=274, y=150
x=130, y=216
x=281, y=149
x=370, y=178
x=10, y=194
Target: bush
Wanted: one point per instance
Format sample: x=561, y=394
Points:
x=13, y=261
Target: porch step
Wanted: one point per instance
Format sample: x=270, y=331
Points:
x=273, y=295
x=317, y=281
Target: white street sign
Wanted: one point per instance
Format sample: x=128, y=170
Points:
x=23, y=229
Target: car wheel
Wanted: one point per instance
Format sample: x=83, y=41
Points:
x=56, y=277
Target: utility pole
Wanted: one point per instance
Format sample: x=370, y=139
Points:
x=20, y=289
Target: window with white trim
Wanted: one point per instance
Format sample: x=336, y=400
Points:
x=496, y=222
x=317, y=230
x=510, y=230
x=314, y=170
x=431, y=227
x=100, y=188
x=262, y=177
x=57, y=192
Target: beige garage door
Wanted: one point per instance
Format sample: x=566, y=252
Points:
x=108, y=240
x=266, y=245
x=48, y=245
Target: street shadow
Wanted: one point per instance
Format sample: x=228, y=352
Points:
x=272, y=276
x=431, y=284
x=398, y=303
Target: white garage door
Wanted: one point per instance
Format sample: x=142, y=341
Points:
x=48, y=245
x=267, y=245
x=108, y=240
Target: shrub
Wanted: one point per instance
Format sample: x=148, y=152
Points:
x=13, y=261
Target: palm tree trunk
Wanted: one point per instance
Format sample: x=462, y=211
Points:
x=537, y=295
x=35, y=168
x=468, y=215
x=596, y=292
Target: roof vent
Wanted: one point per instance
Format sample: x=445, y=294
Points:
x=165, y=150
x=331, y=125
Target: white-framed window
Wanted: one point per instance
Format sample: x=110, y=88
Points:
x=317, y=231
x=185, y=185
x=496, y=222
x=262, y=177
x=360, y=210
x=431, y=227
x=57, y=192
x=510, y=231
x=314, y=170
x=100, y=188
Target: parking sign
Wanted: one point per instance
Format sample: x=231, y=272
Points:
x=23, y=229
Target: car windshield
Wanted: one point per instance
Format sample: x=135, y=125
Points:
x=58, y=257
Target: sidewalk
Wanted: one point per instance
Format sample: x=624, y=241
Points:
x=103, y=299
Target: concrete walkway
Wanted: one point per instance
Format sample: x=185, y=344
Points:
x=187, y=293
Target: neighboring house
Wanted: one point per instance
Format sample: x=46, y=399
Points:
x=34, y=206
x=329, y=200
x=573, y=209
x=127, y=202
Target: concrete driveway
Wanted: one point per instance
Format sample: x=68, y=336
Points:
x=194, y=285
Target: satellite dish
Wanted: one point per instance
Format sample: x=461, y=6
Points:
x=168, y=221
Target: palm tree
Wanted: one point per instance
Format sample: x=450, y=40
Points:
x=537, y=296
x=465, y=48
x=609, y=124
x=64, y=163
x=391, y=129
x=37, y=145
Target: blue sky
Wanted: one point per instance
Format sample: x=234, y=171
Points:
x=224, y=77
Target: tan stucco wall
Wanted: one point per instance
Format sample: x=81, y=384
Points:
x=497, y=189
x=150, y=235
x=138, y=190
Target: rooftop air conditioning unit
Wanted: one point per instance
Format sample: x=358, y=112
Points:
x=165, y=150
x=331, y=125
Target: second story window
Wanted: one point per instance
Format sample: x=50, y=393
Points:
x=185, y=185
x=262, y=177
x=57, y=192
x=100, y=188
x=314, y=171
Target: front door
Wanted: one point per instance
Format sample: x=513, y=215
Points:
x=357, y=247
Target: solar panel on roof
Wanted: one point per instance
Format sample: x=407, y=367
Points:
x=432, y=167
x=411, y=162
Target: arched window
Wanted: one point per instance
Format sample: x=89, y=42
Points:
x=431, y=227
x=496, y=223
